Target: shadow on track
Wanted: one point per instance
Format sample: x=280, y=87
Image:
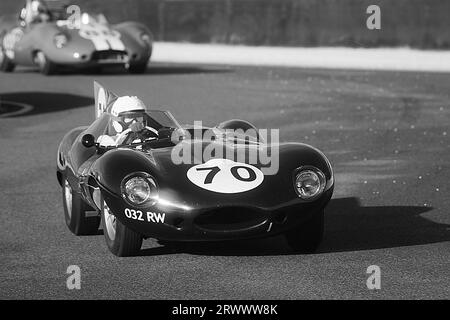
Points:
x=152, y=69
x=182, y=69
x=352, y=227
x=19, y=104
x=348, y=227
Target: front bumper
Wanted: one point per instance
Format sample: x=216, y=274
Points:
x=219, y=223
x=86, y=58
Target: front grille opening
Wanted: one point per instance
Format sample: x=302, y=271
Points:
x=230, y=219
x=112, y=55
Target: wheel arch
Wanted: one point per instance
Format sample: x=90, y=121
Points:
x=122, y=162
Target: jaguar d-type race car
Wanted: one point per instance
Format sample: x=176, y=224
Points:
x=51, y=34
x=142, y=175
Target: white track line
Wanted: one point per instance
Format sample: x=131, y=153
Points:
x=396, y=59
x=24, y=108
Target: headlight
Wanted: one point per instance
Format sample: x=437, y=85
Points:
x=146, y=38
x=60, y=40
x=140, y=189
x=309, y=183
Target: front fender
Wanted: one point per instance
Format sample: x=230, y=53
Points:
x=295, y=155
x=111, y=168
x=62, y=156
x=131, y=32
x=76, y=43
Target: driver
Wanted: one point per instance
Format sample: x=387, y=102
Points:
x=38, y=12
x=128, y=120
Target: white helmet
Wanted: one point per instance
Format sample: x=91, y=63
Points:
x=127, y=104
x=127, y=110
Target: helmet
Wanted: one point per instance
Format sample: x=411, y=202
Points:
x=125, y=111
x=37, y=6
x=127, y=104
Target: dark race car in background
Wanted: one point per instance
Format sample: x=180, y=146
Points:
x=138, y=191
x=51, y=39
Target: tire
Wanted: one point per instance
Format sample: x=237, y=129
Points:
x=121, y=241
x=95, y=70
x=6, y=64
x=307, y=237
x=75, y=212
x=138, y=68
x=46, y=67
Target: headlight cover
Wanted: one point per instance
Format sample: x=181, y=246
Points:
x=309, y=182
x=139, y=189
x=60, y=40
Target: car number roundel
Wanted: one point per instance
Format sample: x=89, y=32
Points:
x=225, y=176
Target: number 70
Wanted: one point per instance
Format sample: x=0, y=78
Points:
x=234, y=171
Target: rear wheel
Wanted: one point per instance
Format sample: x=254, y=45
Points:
x=307, y=237
x=45, y=65
x=75, y=212
x=137, y=68
x=121, y=240
x=96, y=70
x=6, y=64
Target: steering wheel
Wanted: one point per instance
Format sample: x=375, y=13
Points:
x=153, y=130
x=123, y=135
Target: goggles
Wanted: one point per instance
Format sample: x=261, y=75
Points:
x=123, y=121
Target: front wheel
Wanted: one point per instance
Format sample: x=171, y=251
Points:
x=307, y=237
x=75, y=212
x=137, y=68
x=121, y=240
x=6, y=64
x=45, y=65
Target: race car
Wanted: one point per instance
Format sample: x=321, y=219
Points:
x=140, y=174
x=48, y=35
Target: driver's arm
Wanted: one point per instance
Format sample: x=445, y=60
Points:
x=133, y=135
x=106, y=141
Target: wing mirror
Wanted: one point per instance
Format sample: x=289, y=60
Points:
x=88, y=140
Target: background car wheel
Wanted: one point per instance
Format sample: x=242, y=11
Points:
x=45, y=65
x=98, y=70
x=137, y=68
x=121, y=241
x=6, y=64
x=307, y=237
x=75, y=212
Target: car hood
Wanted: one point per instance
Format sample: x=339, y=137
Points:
x=202, y=183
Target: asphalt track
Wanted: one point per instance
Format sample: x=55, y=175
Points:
x=386, y=133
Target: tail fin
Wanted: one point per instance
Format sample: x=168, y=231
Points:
x=103, y=99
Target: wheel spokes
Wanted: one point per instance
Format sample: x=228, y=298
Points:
x=68, y=196
x=110, y=221
x=40, y=59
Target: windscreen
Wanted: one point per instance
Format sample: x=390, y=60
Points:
x=162, y=119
